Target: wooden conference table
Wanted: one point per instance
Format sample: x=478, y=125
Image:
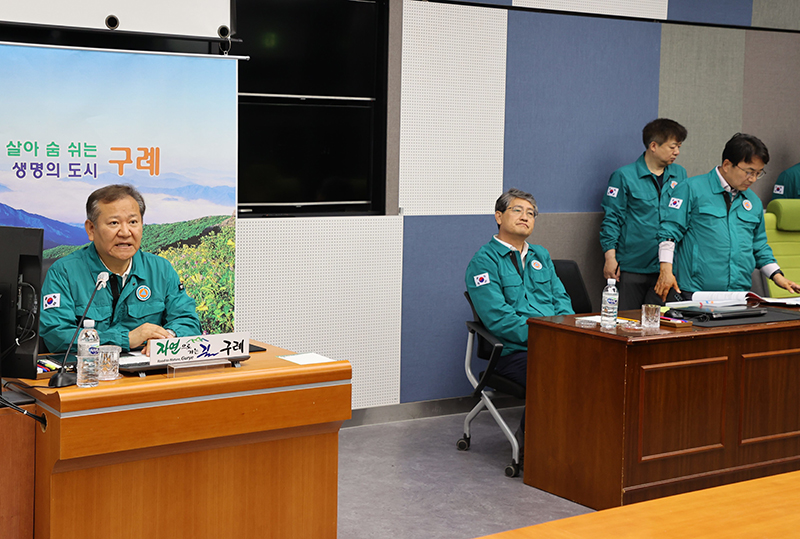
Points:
x=240, y=452
x=620, y=417
x=765, y=507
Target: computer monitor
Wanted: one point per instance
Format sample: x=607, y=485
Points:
x=20, y=297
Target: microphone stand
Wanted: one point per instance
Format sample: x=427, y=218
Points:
x=63, y=378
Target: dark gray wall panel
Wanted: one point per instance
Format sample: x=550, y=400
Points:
x=776, y=14
x=771, y=101
x=702, y=72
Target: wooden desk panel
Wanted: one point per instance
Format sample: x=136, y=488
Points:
x=249, y=452
x=17, y=434
x=624, y=416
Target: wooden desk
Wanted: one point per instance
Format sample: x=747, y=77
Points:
x=17, y=434
x=616, y=418
x=247, y=452
x=765, y=507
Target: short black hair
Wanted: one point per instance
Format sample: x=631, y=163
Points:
x=112, y=193
x=662, y=130
x=743, y=147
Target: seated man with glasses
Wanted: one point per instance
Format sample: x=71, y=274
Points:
x=715, y=224
x=510, y=280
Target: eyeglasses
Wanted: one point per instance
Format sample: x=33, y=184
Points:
x=518, y=210
x=757, y=174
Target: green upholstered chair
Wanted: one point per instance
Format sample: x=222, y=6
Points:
x=782, y=222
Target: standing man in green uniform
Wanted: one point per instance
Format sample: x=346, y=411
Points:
x=144, y=298
x=788, y=183
x=716, y=225
x=633, y=204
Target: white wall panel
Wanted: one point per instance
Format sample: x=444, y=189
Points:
x=330, y=285
x=176, y=17
x=452, y=108
x=647, y=9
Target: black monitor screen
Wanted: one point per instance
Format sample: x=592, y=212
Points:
x=305, y=157
x=20, y=290
x=307, y=47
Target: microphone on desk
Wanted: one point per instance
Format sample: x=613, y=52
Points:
x=63, y=378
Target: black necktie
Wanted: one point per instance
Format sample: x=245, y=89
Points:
x=114, y=291
x=727, y=200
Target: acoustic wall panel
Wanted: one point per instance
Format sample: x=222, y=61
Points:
x=579, y=91
x=733, y=12
x=777, y=14
x=771, y=107
x=647, y=9
x=452, y=108
x=701, y=83
x=436, y=252
x=330, y=285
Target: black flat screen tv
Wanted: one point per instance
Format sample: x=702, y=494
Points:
x=308, y=47
x=309, y=157
x=20, y=297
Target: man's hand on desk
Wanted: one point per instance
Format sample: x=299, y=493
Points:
x=145, y=332
x=786, y=284
x=666, y=281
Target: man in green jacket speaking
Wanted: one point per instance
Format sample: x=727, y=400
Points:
x=715, y=224
x=144, y=298
x=633, y=205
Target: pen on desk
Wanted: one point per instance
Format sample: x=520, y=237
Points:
x=679, y=320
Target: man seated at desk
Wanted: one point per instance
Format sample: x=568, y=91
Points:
x=716, y=225
x=144, y=298
x=510, y=280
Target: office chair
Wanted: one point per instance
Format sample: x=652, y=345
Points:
x=570, y=275
x=782, y=225
x=489, y=348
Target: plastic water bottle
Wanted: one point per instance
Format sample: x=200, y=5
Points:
x=608, y=307
x=88, y=355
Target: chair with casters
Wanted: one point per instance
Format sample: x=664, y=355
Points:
x=487, y=385
x=570, y=275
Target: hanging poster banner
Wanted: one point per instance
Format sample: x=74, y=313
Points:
x=74, y=120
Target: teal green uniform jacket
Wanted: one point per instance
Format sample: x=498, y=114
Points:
x=716, y=249
x=153, y=293
x=633, y=206
x=505, y=300
x=788, y=183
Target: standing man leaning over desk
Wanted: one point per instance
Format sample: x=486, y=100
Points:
x=633, y=204
x=716, y=225
x=144, y=298
x=510, y=280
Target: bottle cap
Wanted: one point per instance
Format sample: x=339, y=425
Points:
x=612, y=282
x=88, y=323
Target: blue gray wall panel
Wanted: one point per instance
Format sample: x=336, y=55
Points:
x=732, y=12
x=436, y=251
x=579, y=90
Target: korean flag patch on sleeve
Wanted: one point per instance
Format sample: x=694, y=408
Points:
x=612, y=192
x=481, y=279
x=675, y=203
x=778, y=190
x=51, y=300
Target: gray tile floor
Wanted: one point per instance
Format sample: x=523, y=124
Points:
x=406, y=480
